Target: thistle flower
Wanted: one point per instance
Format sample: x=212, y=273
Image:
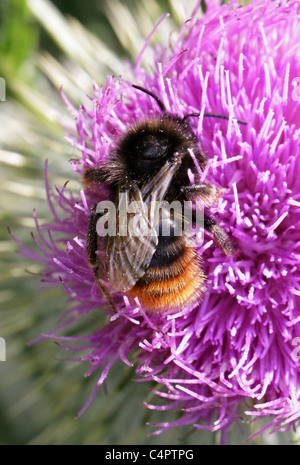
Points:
x=234, y=350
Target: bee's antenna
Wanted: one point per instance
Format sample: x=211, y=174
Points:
x=158, y=101
x=163, y=109
x=211, y=115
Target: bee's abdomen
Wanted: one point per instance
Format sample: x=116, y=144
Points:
x=173, y=279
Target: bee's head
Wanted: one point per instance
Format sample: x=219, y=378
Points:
x=148, y=145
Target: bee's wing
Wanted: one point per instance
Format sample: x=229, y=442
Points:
x=128, y=255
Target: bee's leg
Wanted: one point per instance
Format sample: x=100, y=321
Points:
x=103, y=289
x=92, y=178
x=92, y=238
x=92, y=248
x=205, y=192
x=228, y=246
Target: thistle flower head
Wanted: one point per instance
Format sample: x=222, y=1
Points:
x=236, y=345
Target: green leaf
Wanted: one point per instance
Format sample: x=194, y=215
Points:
x=19, y=36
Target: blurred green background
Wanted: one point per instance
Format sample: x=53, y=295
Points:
x=43, y=45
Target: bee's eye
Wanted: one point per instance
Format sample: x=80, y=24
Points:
x=153, y=147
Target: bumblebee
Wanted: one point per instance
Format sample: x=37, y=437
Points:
x=150, y=165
